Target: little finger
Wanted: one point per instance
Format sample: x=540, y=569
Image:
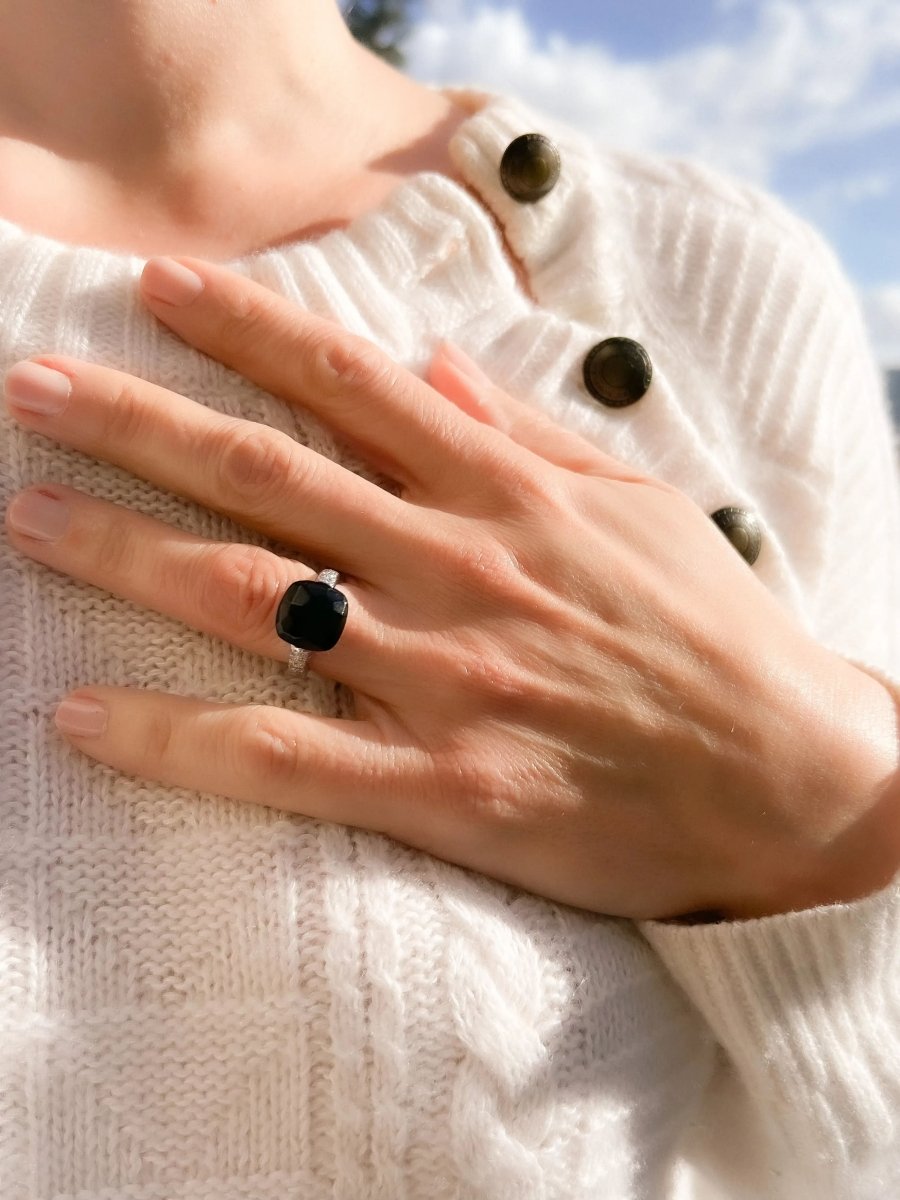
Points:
x=332, y=769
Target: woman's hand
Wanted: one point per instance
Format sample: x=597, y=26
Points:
x=565, y=675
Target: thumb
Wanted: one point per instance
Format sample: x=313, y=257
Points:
x=460, y=380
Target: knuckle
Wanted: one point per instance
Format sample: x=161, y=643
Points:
x=115, y=548
x=480, y=562
x=530, y=489
x=125, y=418
x=240, y=589
x=515, y=481
x=497, y=683
x=350, y=367
x=479, y=792
x=253, y=464
x=158, y=736
x=270, y=751
x=246, y=315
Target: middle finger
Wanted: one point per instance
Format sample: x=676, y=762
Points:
x=255, y=475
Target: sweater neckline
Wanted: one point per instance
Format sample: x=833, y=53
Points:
x=408, y=213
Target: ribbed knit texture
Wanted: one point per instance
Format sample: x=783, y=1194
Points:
x=205, y=999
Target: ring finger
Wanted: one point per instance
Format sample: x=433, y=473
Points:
x=227, y=589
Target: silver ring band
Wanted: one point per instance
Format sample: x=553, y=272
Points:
x=298, y=660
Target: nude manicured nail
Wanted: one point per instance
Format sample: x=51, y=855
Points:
x=167, y=280
x=37, y=388
x=83, y=718
x=38, y=516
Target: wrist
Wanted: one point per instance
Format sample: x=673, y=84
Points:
x=867, y=857
x=850, y=741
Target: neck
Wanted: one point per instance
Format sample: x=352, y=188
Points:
x=129, y=84
x=192, y=107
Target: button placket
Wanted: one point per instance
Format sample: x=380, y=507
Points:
x=617, y=371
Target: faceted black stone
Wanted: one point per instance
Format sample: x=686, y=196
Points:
x=742, y=530
x=617, y=372
x=530, y=167
x=311, y=615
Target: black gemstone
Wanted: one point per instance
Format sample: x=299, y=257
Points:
x=617, y=371
x=311, y=615
x=530, y=167
x=742, y=530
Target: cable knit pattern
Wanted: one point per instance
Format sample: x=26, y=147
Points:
x=207, y=1000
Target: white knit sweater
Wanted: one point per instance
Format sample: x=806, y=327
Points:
x=205, y=999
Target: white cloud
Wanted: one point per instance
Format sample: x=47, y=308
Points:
x=808, y=75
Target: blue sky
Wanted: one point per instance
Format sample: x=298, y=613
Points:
x=801, y=97
x=639, y=28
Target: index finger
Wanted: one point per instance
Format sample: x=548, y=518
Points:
x=396, y=420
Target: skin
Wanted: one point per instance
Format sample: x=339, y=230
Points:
x=184, y=147
x=653, y=742
x=587, y=729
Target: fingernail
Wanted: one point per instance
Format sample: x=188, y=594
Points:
x=463, y=363
x=84, y=718
x=38, y=516
x=37, y=388
x=167, y=280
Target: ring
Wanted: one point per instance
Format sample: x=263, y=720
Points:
x=311, y=617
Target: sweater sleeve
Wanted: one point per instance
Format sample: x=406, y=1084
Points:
x=805, y=1006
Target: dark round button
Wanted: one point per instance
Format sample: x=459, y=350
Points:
x=311, y=615
x=530, y=167
x=617, y=372
x=742, y=530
